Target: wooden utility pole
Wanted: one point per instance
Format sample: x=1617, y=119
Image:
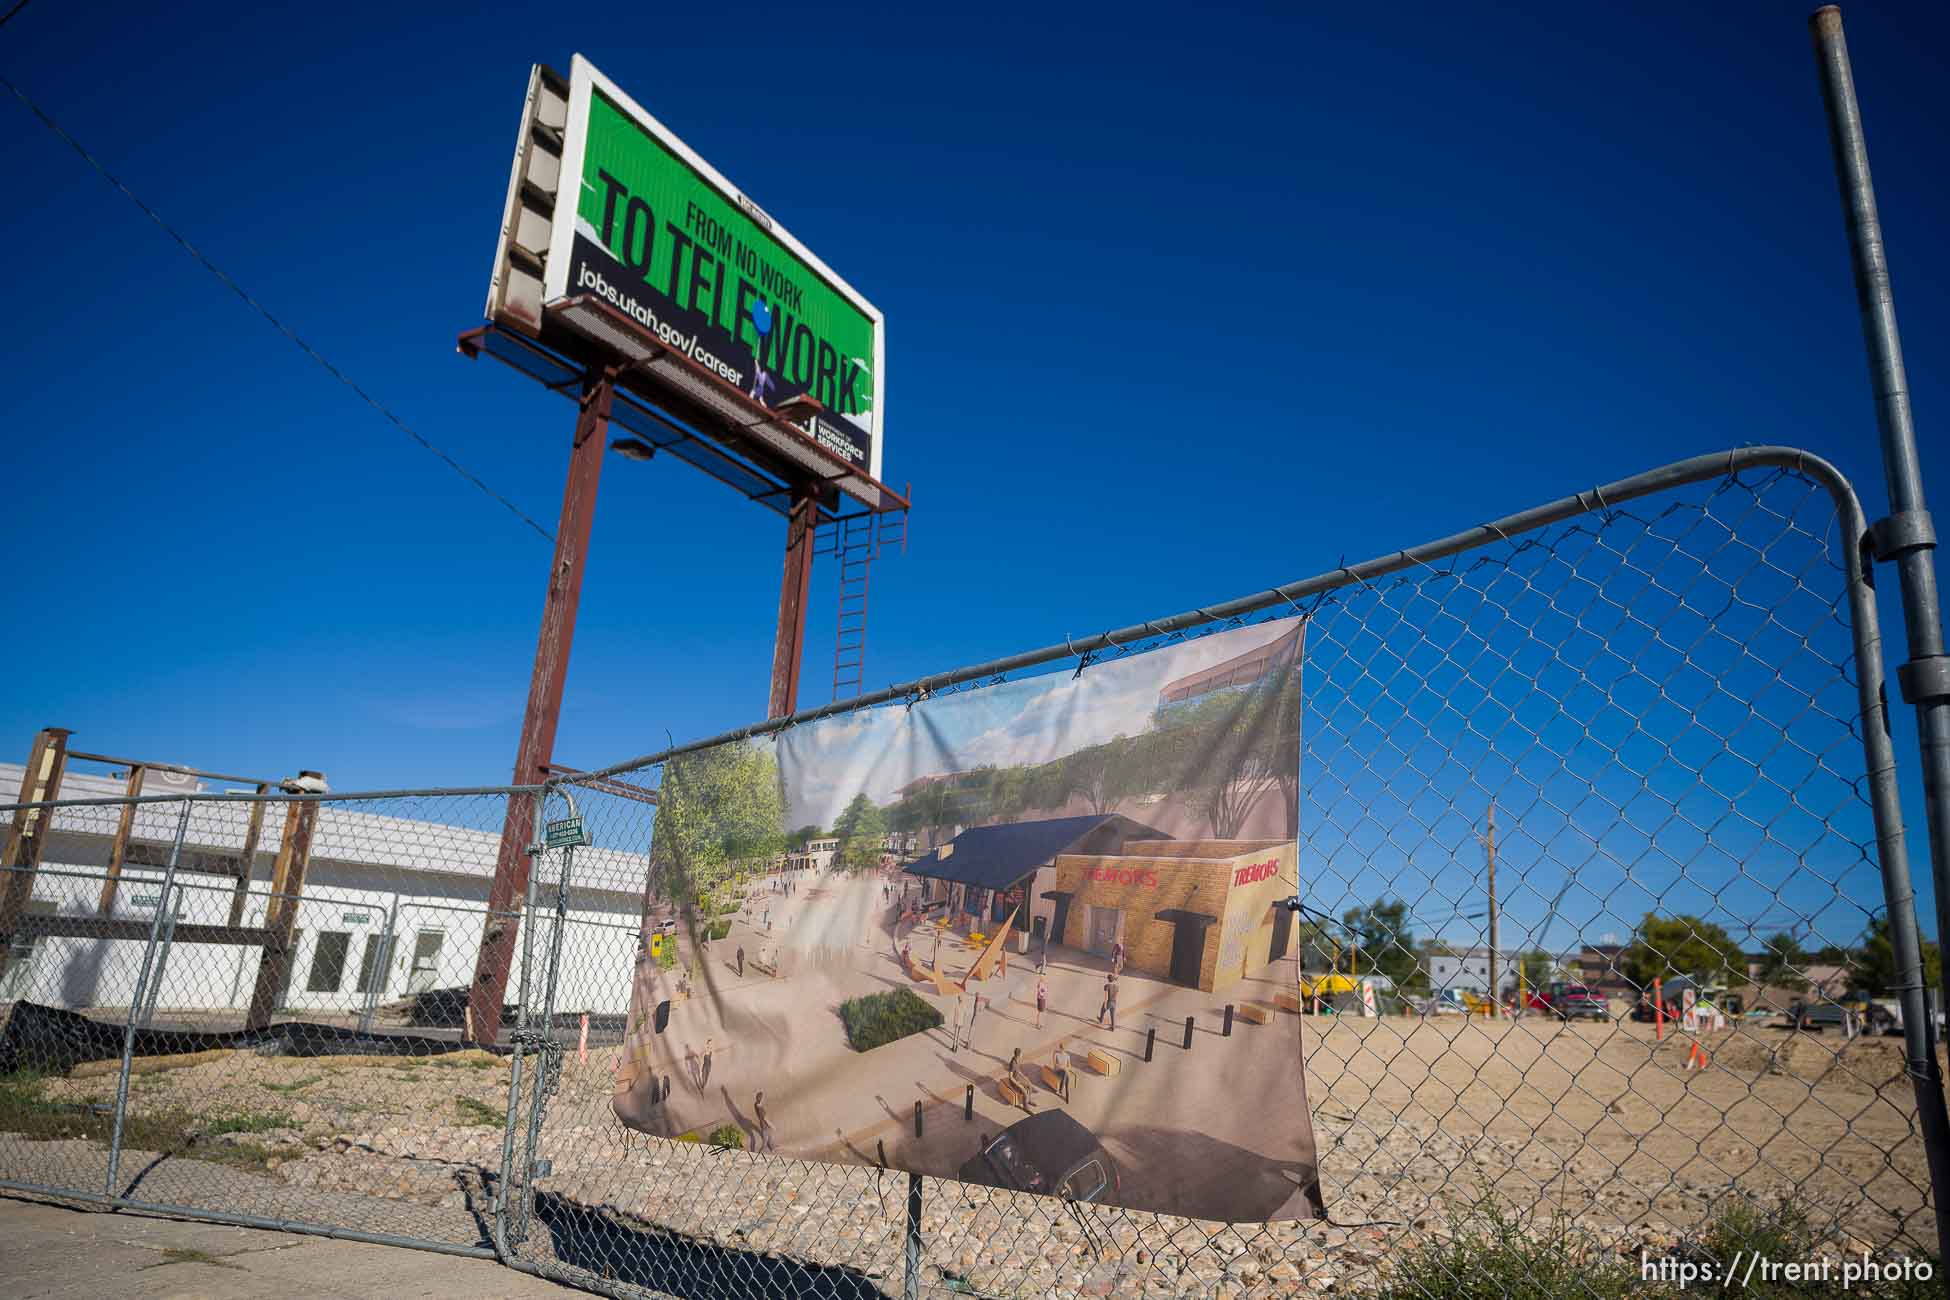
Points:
x=1496, y=990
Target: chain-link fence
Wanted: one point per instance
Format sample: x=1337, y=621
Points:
x=1605, y=942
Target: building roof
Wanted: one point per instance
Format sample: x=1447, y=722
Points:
x=364, y=832
x=1240, y=670
x=995, y=857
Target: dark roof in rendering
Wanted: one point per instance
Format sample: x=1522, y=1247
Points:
x=996, y=857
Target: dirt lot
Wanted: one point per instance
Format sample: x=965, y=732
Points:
x=1414, y=1119
x=1606, y=1122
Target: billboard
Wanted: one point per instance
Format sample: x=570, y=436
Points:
x=1029, y=935
x=642, y=223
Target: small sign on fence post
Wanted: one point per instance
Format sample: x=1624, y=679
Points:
x=566, y=833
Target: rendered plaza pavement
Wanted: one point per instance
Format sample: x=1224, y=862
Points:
x=1222, y=1143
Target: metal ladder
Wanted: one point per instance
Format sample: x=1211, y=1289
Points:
x=856, y=542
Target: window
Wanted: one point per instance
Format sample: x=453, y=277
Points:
x=328, y=962
x=369, y=967
x=20, y=955
x=1084, y=1182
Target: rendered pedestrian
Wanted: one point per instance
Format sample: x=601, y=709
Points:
x=1021, y=1084
x=764, y=1142
x=1042, y=1000
x=705, y=1078
x=1110, y=1003
x=741, y=961
x=1060, y=1062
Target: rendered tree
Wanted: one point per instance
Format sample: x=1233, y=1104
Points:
x=1229, y=754
x=862, y=832
x=716, y=808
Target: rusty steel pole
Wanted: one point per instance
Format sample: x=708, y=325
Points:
x=537, y=745
x=789, y=646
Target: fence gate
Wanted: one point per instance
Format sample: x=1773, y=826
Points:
x=536, y=1070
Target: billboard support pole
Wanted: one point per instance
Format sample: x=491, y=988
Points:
x=789, y=647
x=537, y=744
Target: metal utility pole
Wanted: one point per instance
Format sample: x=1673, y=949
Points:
x=537, y=745
x=1496, y=992
x=1907, y=537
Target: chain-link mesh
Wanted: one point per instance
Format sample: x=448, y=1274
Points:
x=295, y=1026
x=1535, y=778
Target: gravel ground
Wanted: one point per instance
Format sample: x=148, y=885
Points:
x=1595, y=1123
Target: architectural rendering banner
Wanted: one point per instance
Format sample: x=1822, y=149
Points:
x=994, y=936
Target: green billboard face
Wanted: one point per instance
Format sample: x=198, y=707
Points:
x=662, y=238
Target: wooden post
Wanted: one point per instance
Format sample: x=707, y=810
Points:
x=118, y=849
x=281, y=915
x=247, y=861
x=1658, y=1012
x=27, y=834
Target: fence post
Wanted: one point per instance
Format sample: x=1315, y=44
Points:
x=543, y=1038
x=171, y=903
x=1907, y=538
x=382, y=965
x=502, y=1202
x=911, y=1289
x=135, y=1002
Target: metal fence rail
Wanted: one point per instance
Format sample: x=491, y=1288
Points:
x=1598, y=739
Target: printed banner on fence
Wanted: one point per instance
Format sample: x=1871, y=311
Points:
x=1026, y=935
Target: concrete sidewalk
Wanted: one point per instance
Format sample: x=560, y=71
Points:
x=52, y=1251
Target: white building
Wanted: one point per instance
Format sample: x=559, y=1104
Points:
x=380, y=886
x=1469, y=968
x=818, y=854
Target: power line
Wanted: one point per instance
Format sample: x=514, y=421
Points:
x=9, y=15
x=257, y=306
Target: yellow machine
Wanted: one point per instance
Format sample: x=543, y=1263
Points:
x=1326, y=986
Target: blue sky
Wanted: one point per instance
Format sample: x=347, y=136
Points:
x=1176, y=310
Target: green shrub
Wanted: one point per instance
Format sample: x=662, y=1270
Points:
x=727, y=1137
x=881, y=1018
x=667, y=954
x=719, y=929
x=478, y=1114
x=1493, y=1256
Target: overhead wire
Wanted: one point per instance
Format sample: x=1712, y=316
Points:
x=223, y=277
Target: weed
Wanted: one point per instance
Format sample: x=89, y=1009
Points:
x=26, y=1110
x=476, y=1114
x=296, y=1085
x=262, y=1122
x=1491, y=1255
